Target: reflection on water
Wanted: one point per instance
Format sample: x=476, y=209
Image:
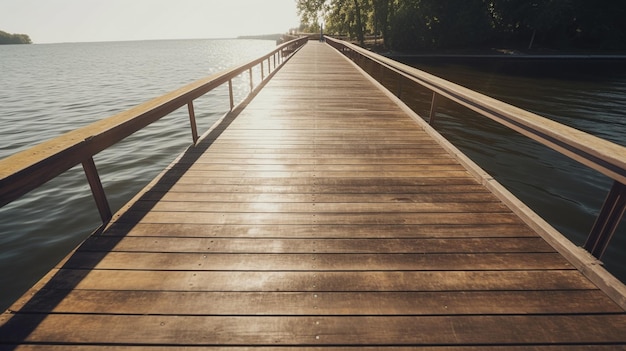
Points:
x=586, y=95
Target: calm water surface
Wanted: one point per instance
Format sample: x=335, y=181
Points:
x=47, y=90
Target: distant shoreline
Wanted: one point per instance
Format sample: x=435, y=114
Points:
x=493, y=53
x=508, y=57
x=262, y=37
x=14, y=39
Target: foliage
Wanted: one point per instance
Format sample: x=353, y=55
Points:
x=440, y=24
x=7, y=38
x=311, y=14
x=454, y=24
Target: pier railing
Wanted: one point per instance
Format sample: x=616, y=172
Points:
x=599, y=154
x=31, y=168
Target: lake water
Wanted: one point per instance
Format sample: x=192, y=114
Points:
x=49, y=89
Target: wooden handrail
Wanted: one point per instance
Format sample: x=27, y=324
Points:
x=26, y=170
x=601, y=155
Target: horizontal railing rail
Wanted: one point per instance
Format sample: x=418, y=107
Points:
x=29, y=169
x=601, y=155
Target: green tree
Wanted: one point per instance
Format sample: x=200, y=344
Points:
x=347, y=16
x=601, y=24
x=311, y=13
x=435, y=24
x=7, y=38
x=451, y=24
x=382, y=13
x=549, y=22
x=456, y=23
x=408, y=28
x=360, y=31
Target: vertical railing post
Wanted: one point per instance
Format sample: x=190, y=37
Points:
x=433, y=108
x=97, y=190
x=192, y=122
x=262, y=73
x=274, y=57
x=609, y=218
x=269, y=66
x=230, y=94
x=251, y=79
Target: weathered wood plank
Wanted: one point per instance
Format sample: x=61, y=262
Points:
x=319, y=281
x=336, y=147
x=322, y=303
x=588, y=347
x=320, y=218
x=199, y=185
x=403, y=330
x=314, y=206
x=341, y=174
x=130, y=228
x=278, y=152
x=378, y=198
x=208, y=261
x=323, y=168
x=226, y=140
x=237, y=159
x=319, y=244
x=422, y=184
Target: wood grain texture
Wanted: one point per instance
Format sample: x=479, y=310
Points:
x=553, y=347
x=319, y=219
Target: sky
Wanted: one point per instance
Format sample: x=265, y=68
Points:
x=60, y=21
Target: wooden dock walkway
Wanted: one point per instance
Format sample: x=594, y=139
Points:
x=321, y=216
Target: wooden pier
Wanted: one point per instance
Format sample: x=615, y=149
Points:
x=320, y=215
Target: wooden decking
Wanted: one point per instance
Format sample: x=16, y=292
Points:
x=321, y=216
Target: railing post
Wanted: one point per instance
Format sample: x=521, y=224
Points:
x=433, y=108
x=262, y=73
x=269, y=66
x=251, y=79
x=274, y=57
x=230, y=94
x=192, y=121
x=97, y=190
x=609, y=218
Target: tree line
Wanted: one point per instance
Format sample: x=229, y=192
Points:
x=8, y=38
x=407, y=25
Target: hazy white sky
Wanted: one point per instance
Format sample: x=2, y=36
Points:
x=57, y=21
